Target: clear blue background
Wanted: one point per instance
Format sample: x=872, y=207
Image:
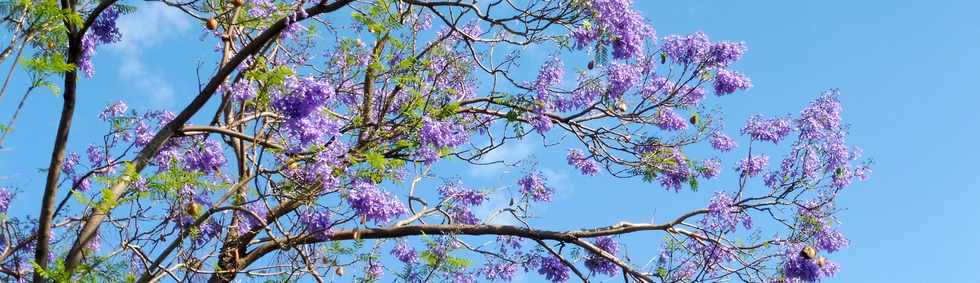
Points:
x=908, y=71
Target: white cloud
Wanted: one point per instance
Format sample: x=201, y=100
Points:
x=151, y=24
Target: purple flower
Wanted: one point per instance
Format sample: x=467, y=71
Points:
x=114, y=110
x=722, y=142
x=85, y=60
x=502, y=270
x=599, y=264
x=95, y=155
x=71, y=162
x=206, y=157
x=553, y=269
x=674, y=170
x=830, y=240
x=763, y=129
x=315, y=129
x=533, y=185
x=751, y=166
x=797, y=267
x=104, y=29
x=549, y=75
x=442, y=133
x=241, y=90
x=463, y=215
x=686, y=50
x=622, y=77
x=540, y=121
x=722, y=54
x=405, y=253
x=317, y=223
x=710, y=168
x=668, y=120
x=696, y=48
x=454, y=190
x=304, y=96
x=576, y=158
x=375, y=270
x=625, y=25
x=5, y=197
x=726, y=82
x=821, y=118
x=248, y=222
x=723, y=215
x=371, y=202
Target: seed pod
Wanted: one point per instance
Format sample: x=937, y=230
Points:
x=357, y=235
x=193, y=209
x=363, y=219
x=212, y=24
x=694, y=119
x=821, y=261
x=237, y=3
x=622, y=106
x=591, y=64
x=339, y=270
x=808, y=252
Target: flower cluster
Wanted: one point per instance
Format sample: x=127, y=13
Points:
x=626, y=28
x=499, y=270
x=115, y=110
x=696, y=48
x=576, y=158
x=549, y=75
x=767, y=129
x=533, y=185
x=802, y=264
x=722, y=142
x=405, y=252
x=710, y=168
x=317, y=223
x=249, y=221
x=553, y=269
x=102, y=31
x=441, y=133
x=599, y=264
x=371, y=202
x=668, y=120
x=726, y=82
x=751, y=166
x=5, y=197
x=205, y=157
x=622, y=77
x=724, y=215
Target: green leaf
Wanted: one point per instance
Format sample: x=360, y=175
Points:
x=376, y=160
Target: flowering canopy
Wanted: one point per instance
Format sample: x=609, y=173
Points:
x=332, y=117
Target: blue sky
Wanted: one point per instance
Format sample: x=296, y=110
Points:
x=908, y=71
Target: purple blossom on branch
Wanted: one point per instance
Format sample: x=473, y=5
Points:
x=553, y=269
x=767, y=129
x=751, y=166
x=576, y=158
x=599, y=264
x=371, y=202
x=533, y=185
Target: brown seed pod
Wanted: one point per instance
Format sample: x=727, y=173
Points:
x=808, y=252
x=621, y=105
x=821, y=261
x=591, y=64
x=237, y=3
x=339, y=270
x=212, y=24
x=694, y=119
x=193, y=209
x=357, y=235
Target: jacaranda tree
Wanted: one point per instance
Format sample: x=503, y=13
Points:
x=318, y=145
